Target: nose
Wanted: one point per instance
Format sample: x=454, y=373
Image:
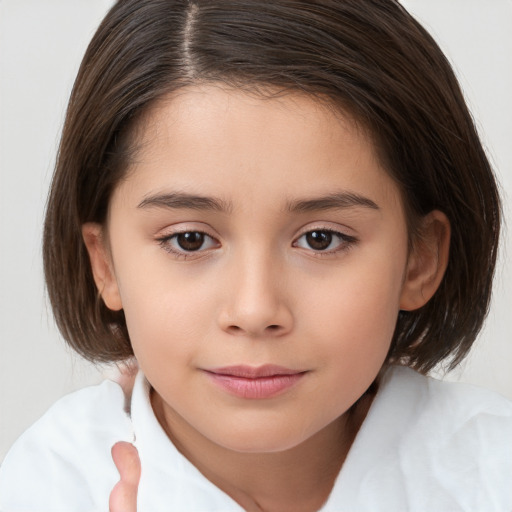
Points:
x=255, y=299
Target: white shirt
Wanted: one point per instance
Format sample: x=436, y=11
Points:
x=425, y=446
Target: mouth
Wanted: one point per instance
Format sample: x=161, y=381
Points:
x=250, y=382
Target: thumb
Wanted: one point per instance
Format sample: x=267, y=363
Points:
x=123, y=497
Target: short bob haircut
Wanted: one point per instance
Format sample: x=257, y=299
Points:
x=368, y=58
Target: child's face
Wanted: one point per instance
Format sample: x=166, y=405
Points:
x=296, y=256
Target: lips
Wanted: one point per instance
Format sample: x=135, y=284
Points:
x=250, y=382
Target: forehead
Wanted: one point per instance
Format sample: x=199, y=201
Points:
x=230, y=142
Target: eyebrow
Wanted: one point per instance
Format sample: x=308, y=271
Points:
x=182, y=200
x=339, y=200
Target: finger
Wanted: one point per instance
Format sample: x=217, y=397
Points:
x=123, y=497
x=126, y=459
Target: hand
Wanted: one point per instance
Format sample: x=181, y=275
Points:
x=123, y=497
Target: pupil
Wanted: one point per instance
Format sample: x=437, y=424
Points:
x=319, y=240
x=191, y=241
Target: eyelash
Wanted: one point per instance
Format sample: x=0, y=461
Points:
x=345, y=243
x=165, y=243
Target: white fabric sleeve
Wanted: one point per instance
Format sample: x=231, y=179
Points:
x=63, y=462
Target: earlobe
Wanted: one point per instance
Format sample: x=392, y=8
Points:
x=427, y=261
x=101, y=265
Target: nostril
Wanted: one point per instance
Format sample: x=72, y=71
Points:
x=235, y=329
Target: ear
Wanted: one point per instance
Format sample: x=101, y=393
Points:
x=101, y=265
x=427, y=261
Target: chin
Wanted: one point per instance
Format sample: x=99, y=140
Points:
x=262, y=440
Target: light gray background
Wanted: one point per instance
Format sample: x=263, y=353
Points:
x=41, y=45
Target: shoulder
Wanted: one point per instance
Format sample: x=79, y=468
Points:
x=63, y=462
x=429, y=445
x=453, y=419
x=455, y=400
x=412, y=406
x=437, y=445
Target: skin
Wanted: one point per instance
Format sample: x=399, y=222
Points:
x=257, y=291
x=124, y=494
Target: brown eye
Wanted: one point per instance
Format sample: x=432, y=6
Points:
x=190, y=241
x=188, y=244
x=319, y=240
x=325, y=241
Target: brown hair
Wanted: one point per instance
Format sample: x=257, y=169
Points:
x=368, y=57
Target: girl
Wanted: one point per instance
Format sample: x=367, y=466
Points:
x=283, y=213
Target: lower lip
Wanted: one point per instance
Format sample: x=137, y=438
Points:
x=255, y=388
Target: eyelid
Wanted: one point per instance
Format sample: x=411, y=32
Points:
x=332, y=227
x=167, y=234
x=186, y=227
x=348, y=240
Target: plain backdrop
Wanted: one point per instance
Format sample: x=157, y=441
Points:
x=41, y=45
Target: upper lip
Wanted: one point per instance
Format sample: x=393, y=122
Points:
x=254, y=372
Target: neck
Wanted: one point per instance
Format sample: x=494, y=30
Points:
x=299, y=479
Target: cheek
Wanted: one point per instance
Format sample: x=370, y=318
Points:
x=351, y=344
x=164, y=313
x=355, y=316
